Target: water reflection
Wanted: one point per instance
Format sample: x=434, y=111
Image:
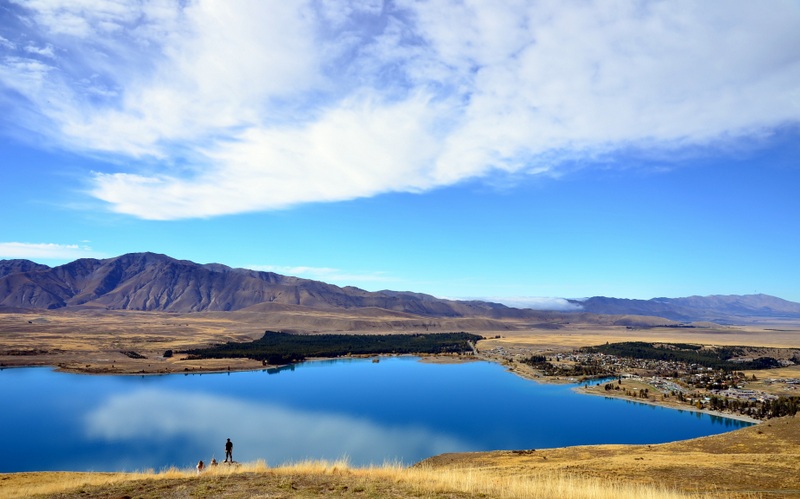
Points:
x=200, y=423
x=371, y=412
x=276, y=370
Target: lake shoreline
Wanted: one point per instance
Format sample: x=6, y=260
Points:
x=668, y=405
x=161, y=366
x=133, y=403
x=236, y=365
x=532, y=375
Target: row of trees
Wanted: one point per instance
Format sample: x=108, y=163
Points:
x=285, y=348
x=782, y=406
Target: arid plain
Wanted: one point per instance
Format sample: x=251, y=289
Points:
x=100, y=341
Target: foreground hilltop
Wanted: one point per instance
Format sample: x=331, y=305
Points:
x=759, y=461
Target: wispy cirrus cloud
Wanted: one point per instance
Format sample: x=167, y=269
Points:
x=46, y=251
x=7, y=44
x=205, y=108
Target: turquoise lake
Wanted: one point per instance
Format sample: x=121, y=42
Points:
x=395, y=410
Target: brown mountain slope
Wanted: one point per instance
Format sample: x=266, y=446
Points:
x=152, y=282
x=15, y=266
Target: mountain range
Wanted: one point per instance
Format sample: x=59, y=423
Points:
x=722, y=309
x=154, y=282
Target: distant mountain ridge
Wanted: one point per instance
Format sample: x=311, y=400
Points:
x=155, y=282
x=722, y=309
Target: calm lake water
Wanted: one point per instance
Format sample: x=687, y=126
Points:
x=399, y=409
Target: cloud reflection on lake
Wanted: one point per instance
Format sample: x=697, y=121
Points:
x=200, y=423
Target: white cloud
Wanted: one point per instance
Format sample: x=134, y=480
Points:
x=355, y=150
x=82, y=18
x=537, y=303
x=46, y=51
x=249, y=105
x=45, y=251
x=7, y=44
x=340, y=13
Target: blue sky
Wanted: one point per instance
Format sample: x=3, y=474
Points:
x=513, y=151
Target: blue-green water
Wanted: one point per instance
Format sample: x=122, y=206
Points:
x=396, y=410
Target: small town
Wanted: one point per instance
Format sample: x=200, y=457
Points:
x=668, y=382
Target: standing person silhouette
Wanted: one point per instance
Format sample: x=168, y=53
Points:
x=228, y=450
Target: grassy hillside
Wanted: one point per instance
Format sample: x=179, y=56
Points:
x=760, y=461
x=314, y=479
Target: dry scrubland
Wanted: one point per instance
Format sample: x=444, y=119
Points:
x=776, y=335
x=760, y=461
x=103, y=341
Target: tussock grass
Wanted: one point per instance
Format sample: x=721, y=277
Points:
x=422, y=481
x=426, y=480
x=540, y=485
x=477, y=482
x=45, y=483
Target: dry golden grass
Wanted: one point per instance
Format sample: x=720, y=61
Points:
x=338, y=479
x=760, y=461
x=95, y=342
x=581, y=335
x=484, y=483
